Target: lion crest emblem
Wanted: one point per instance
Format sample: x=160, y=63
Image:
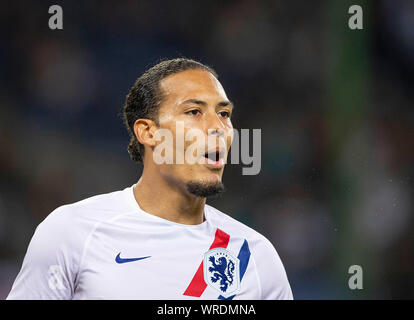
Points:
x=221, y=271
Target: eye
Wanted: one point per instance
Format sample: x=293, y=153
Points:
x=224, y=114
x=193, y=112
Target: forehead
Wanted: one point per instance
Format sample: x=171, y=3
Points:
x=191, y=84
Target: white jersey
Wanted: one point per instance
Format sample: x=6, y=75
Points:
x=106, y=247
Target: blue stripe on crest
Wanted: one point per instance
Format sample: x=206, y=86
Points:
x=244, y=257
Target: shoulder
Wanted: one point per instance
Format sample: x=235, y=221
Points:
x=89, y=211
x=56, y=248
x=270, y=270
x=72, y=223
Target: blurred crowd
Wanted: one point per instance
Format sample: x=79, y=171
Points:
x=334, y=106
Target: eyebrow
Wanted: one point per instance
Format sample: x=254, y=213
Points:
x=203, y=103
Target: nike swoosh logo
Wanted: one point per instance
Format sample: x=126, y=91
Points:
x=118, y=259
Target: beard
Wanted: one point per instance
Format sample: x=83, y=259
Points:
x=204, y=189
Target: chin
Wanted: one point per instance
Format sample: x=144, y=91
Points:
x=205, y=188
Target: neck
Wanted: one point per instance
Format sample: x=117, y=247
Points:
x=161, y=198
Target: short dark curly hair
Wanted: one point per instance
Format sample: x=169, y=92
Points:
x=145, y=97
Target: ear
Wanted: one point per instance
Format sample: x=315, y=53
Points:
x=144, y=131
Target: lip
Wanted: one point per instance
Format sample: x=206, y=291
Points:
x=214, y=164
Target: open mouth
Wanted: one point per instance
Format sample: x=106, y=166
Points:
x=215, y=158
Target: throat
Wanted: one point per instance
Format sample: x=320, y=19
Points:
x=173, y=206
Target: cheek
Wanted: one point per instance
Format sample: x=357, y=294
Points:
x=177, y=130
x=230, y=137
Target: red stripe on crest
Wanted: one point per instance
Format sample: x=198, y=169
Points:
x=198, y=285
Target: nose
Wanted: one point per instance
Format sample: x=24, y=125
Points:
x=215, y=126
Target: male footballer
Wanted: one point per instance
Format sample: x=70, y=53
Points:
x=158, y=239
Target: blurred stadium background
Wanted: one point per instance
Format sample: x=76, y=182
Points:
x=335, y=107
